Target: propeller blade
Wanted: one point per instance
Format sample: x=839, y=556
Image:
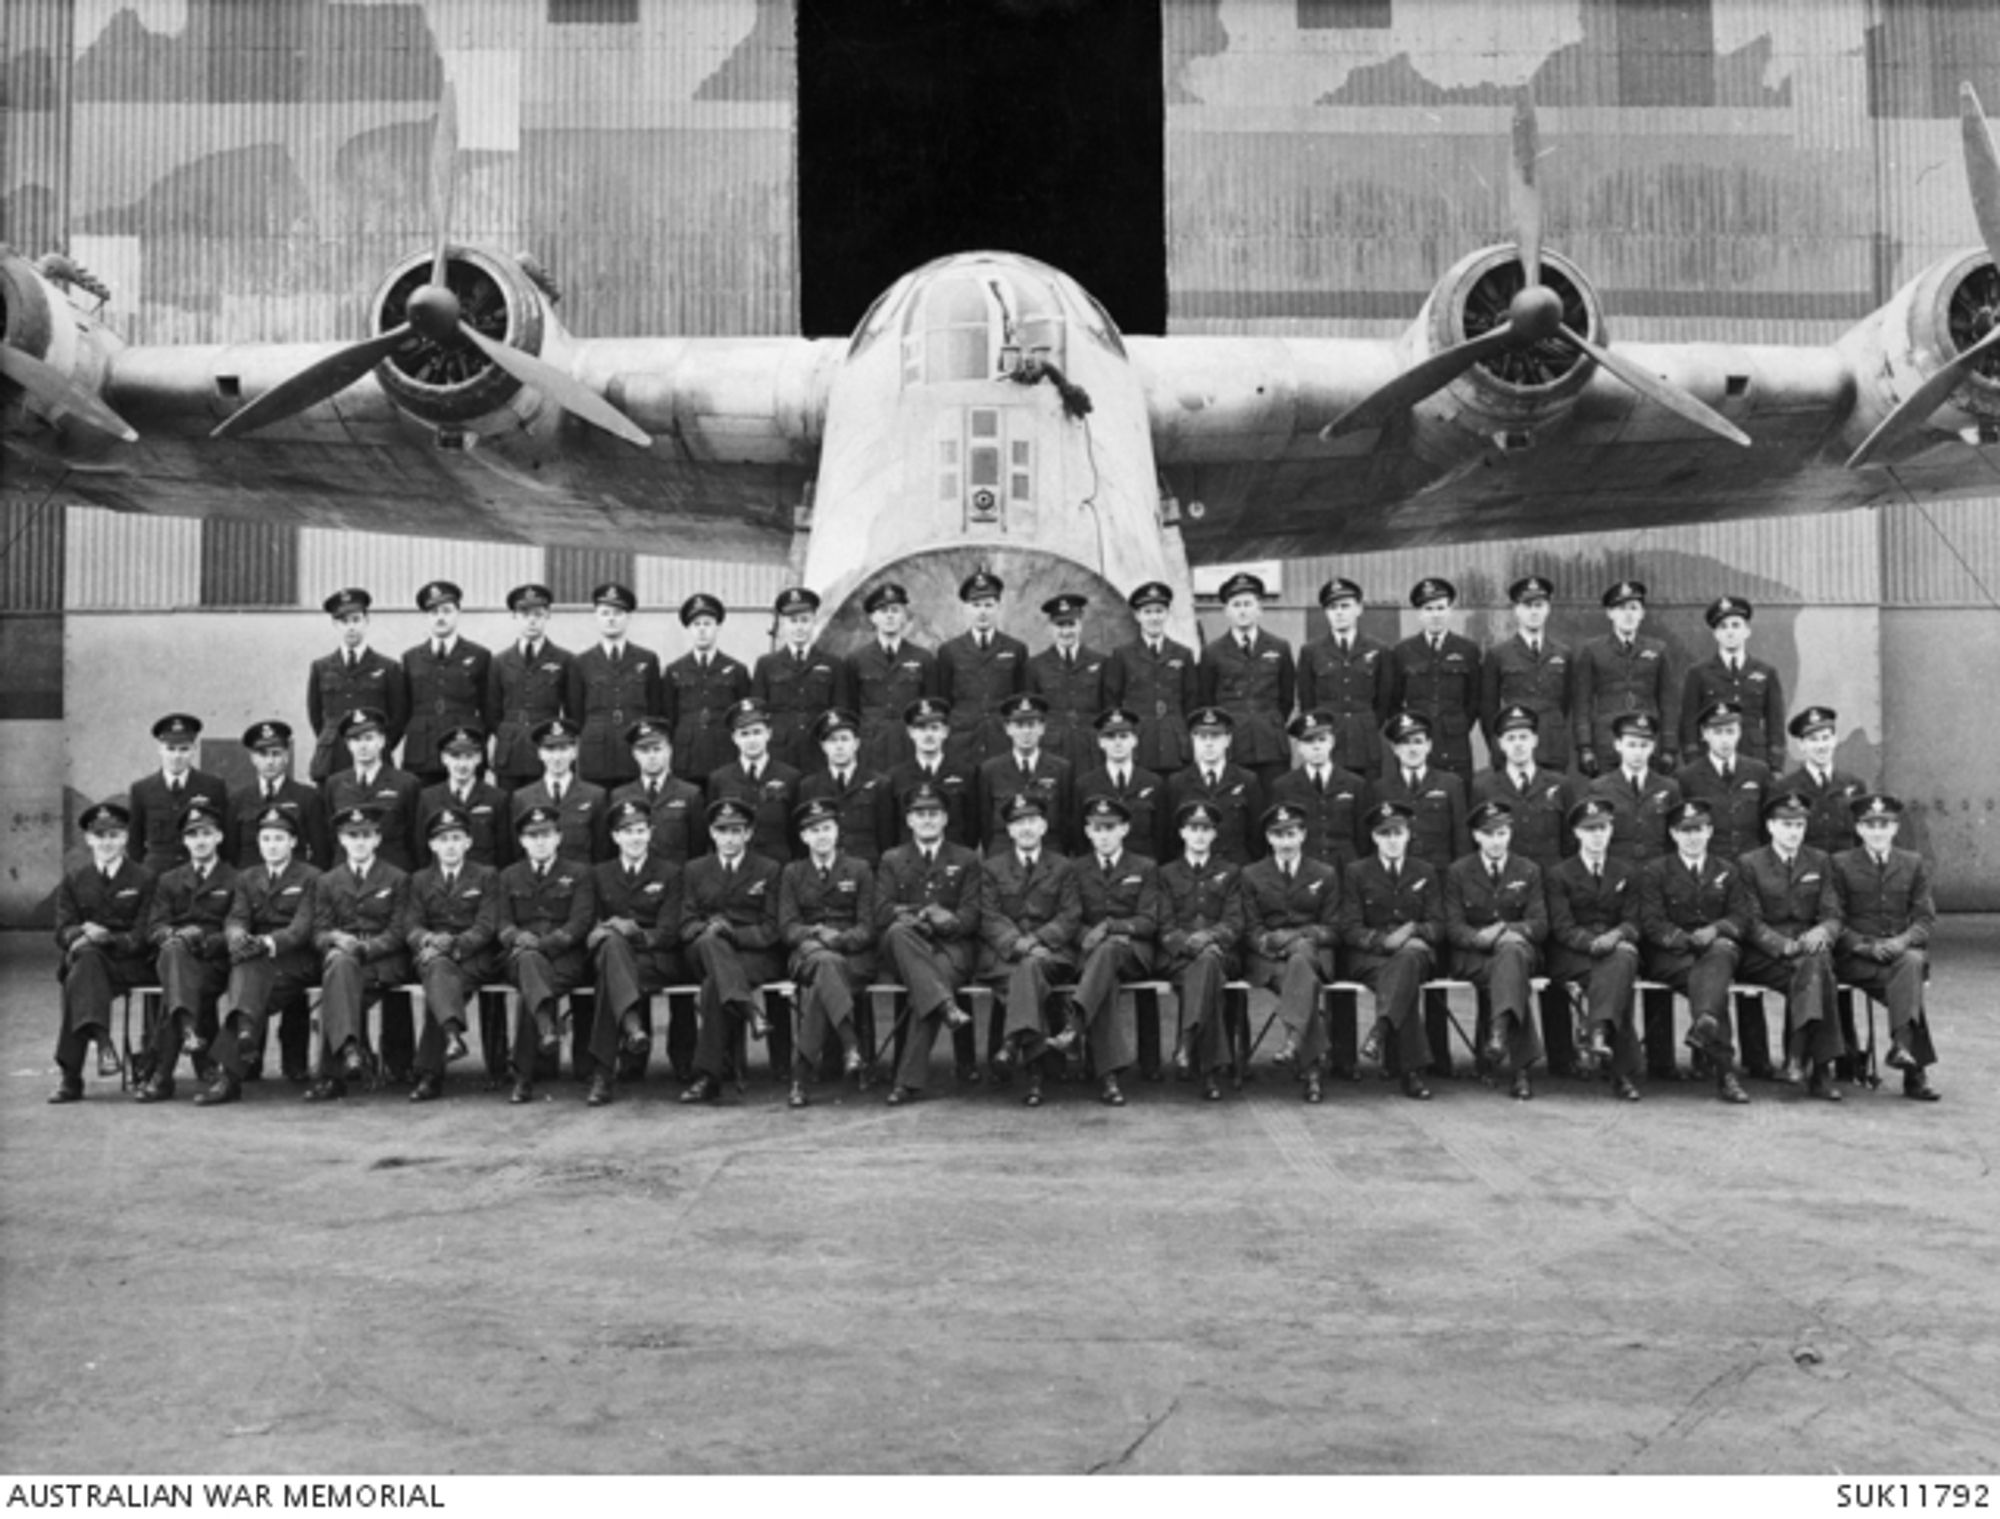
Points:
x=60, y=395
x=1655, y=389
x=1418, y=381
x=571, y=394
x=1982, y=168
x=315, y=382
x=1527, y=200
x=444, y=177
x=1918, y=405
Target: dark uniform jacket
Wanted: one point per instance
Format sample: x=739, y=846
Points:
x=393, y=794
x=1257, y=689
x=770, y=798
x=1611, y=681
x=604, y=700
x=1050, y=780
x=1886, y=902
x=119, y=903
x=1474, y=901
x=1238, y=799
x=179, y=901
x=1757, y=689
x=444, y=694
x=1442, y=685
x=1309, y=900
x=1541, y=808
x=521, y=695
x=1583, y=906
x=1738, y=801
x=1333, y=811
x=314, y=845
x=1831, y=825
x=279, y=907
x=156, y=817
x=959, y=785
x=488, y=810
x=903, y=882
x=844, y=900
x=1207, y=899
x=882, y=685
x=1358, y=689
x=469, y=912
x=1674, y=902
x=1075, y=693
x=1125, y=898
x=333, y=691
x=1143, y=792
x=1780, y=903
x=1372, y=904
x=866, y=803
x=376, y=910
x=580, y=818
x=558, y=909
x=1160, y=689
x=678, y=810
x=973, y=682
x=1511, y=675
x=797, y=689
x=747, y=898
x=651, y=899
x=1638, y=813
x=1437, y=832
x=697, y=707
x=1041, y=903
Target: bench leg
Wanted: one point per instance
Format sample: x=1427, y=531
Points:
x=1343, y=1017
x=1558, y=1030
x=1753, y=1037
x=1656, y=1012
x=1437, y=1027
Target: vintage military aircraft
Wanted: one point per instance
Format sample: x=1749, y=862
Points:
x=987, y=408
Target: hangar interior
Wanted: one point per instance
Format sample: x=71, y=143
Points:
x=1759, y=171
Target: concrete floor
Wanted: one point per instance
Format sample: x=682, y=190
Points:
x=1571, y=1285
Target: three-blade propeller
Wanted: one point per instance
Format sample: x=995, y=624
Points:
x=432, y=315
x=1534, y=315
x=59, y=395
x=1982, y=173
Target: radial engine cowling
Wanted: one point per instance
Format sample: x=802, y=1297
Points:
x=1929, y=322
x=453, y=384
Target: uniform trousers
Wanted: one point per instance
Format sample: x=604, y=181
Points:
x=191, y=982
x=448, y=983
x=1609, y=984
x=827, y=981
x=730, y=977
x=1397, y=980
x=933, y=971
x=347, y=987
x=1811, y=1015
x=1024, y=988
x=1297, y=977
x=1506, y=974
x=541, y=979
x=1199, y=982
x=1898, y=985
x=1703, y=977
x=91, y=977
x=256, y=988
x=1105, y=1015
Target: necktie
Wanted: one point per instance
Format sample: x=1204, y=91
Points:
x=541, y=874
x=1214, y=780
x=1155, y=648
x=1625, y=647
x=756, y=774
x=841, y=781
x=556, y=793
x=1104, y=864
x=825, y=877
x=985, y=642
x=174, y=788
x=1437, y=643
x=1410, y=779
x=1346, y=648
x=1395, y=873
x=450, y=879
x=1493, y=870
x=463, y=798
x=1119, y=780
x=653, y=791
x=271, y=791
x=438, y=648
x=530, y=652
x=1881, y=862
x=1319, y=782
x=930, y=858
x=353, y=660
x=1728, y=773
x=1535, y=647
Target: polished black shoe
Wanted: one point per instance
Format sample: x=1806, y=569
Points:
x=600, y=1090
x=1702, y=1037
x=1288, y=1053
x=1211, y=1089
x=1413, y=1086
x=1794, y=1073
x=225, y=1089
x=1183, y=1060
x=454, y=1047
x=1493, y=1057
x=1003, y=1058
x=69, y=1089
x=760, y=1026
x=797, y=1097
x=108, y=1063
x=1623, y=1090
x=247, y=1052
x=1371, y=1047
x=155, y=1089
x=1729, y=1089
x=1900, y=1059
x=852, y=1064
x=704, y=1089
x=326, y=1089
x=1034, y=1097
x=1063, y=1042
x=1823, y=1085
x=353, y=1064
x=1108, y=1093
x=1598, y=1047
x=1315, y=1092
x=547, y=1040
x=956, y=1017
x=1916, y=1086
x=429, y=1088
x=899, y=1095
x=524, y=1092
x=1523, y=1090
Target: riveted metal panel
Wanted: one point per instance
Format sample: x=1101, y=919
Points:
x=391, y=568
x=115, y=560
x=1942, y=554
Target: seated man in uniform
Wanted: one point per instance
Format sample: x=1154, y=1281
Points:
x=1495, y=920
x=1791, y=919
x=1688, y=901
x=826, y=914
x=729, y=928
x=1201, y=928
x=1029, y=911
x=454, y=940
x=673, y=806
x=101, y=910
x=635, y=945
x=927, y=909
x=1291, y=911
x=1119, y=894
x=481, y=805
x=1594, y=943
x=1886, y=917
x=185, y=928
x=1392, y=924
x=361, y=911
x=271, y=962
x=546, y=909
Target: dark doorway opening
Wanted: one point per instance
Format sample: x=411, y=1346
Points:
x=1034, y=126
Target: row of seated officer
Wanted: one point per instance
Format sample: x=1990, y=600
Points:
x=1053, y=937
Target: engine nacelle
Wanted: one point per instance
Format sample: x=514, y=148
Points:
x=453, y=384
x=38, y=319
x=1926, y=324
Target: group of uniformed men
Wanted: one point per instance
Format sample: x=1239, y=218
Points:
x=980, y=816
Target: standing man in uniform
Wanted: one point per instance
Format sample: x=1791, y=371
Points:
x=101, y=912
x=927, y=909
x=1142, y=793
x=191, y=953
x=527, y=684
x=797, y=681
x=453, y=938
x=1594, y=944
x=1350, y=677
x=702, y=688
x=1291, y=913
x=1232, y=792
x=635, y=945
x=1156, y=678
x=1735, y=787
x=1027, y=768
x=361, y=912
x=1070, y=678
x=271, y=962
x=612, y=684
x=1886, y=914
x=270, y=746
x=1791, y=917
x=1392, y=923
x=159, y=797
x=1201, y=929
x=1437, y=675
x=1330, y=799
x=864, y=802
x=1250, y=674
x=579, y=807
x=826, y=917
x=885, y=675
x=448, y=678
x=1829, y=793
x=1532, y=670
x=547, y=906
x=929, y=766
x=1623, y=673
x=674, y=807
x=1688, y=906
x=1730, y=675
x=485, y=808
x=977, y=672
x=1496, y=919
x=767, y=788
x=353, y=676
x=729, y=929
x=1028, y=916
